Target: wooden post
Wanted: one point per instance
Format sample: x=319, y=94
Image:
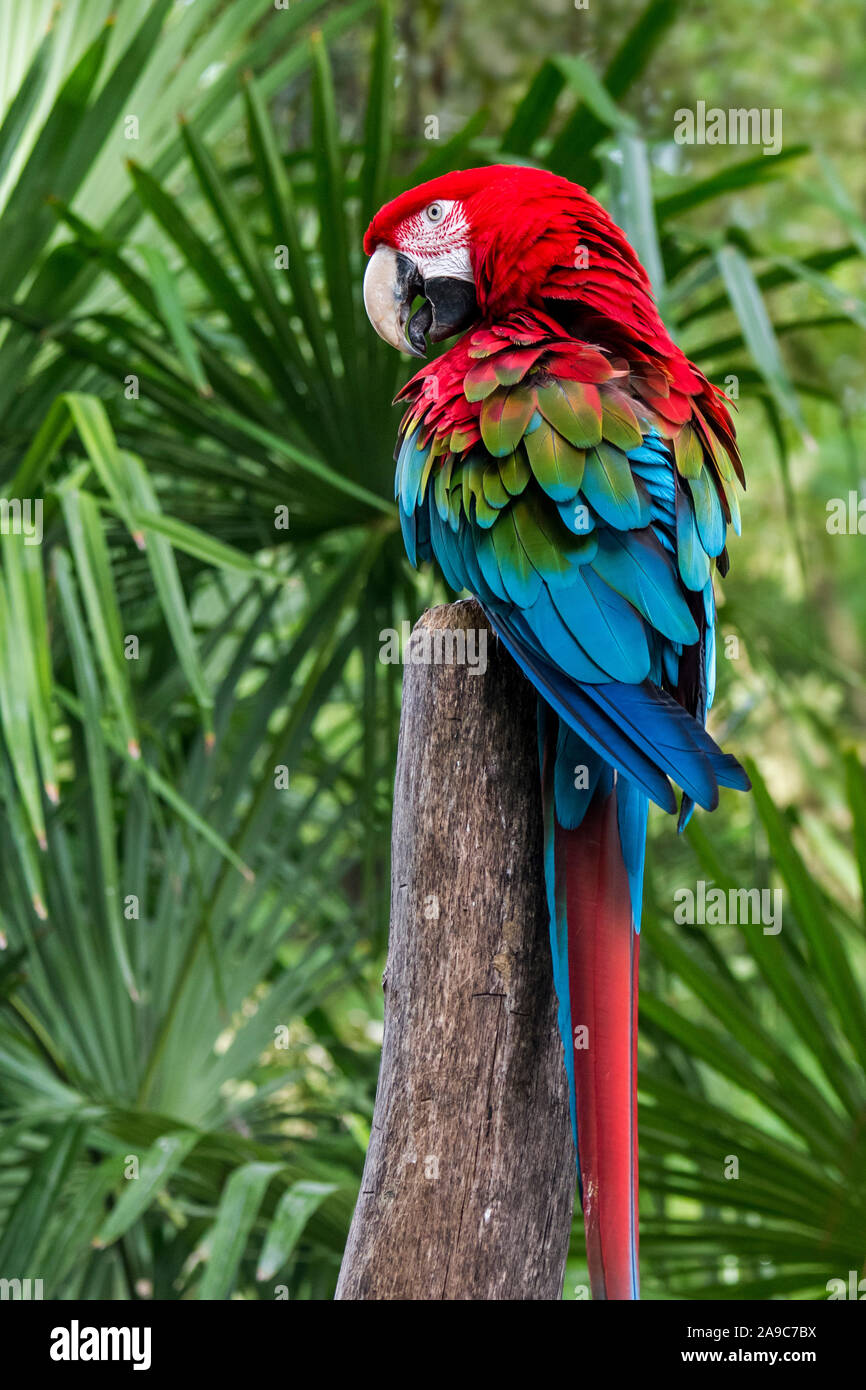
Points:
x=469, y=1180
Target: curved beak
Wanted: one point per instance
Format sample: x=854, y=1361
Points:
x=393, y=282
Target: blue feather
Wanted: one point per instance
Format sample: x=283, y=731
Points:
x=543, y=629
x=632, y=814
x=558, y=918
x=635, y=565
x=694, y=562
x=410, y=468
x=610, y=629
x=600, y=727
x=577, y=774
x=708, y=513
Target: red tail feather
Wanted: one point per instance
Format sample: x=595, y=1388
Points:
x=602, y=969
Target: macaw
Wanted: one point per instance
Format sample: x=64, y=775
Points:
x=566, y=463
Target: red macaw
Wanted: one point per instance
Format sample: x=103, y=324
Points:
x=565, y=463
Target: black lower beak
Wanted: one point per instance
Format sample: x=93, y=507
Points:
x=449, y=307
x=392, y=284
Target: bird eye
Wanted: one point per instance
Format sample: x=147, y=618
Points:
x=435, y=212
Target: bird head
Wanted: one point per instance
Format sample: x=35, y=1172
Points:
x=488, y=241
x=420, y=245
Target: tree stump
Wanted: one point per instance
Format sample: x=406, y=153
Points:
x=469, y=1180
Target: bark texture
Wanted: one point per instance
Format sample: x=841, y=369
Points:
x=469, y=1180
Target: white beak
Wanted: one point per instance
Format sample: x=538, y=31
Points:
x=391, y=283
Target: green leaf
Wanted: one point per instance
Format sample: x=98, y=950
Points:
x=448, y=154
x=193, y=541
x=279, y=199
x=21, y=107
x=163, y=567
x=155, y=1167
x=581, y=77
x=827, y=952
x=206, y=265
x=15, y=690
x=308, y=464
x=231, y=218
x=636, y=209
x=571, y=152
x=745, y=173
x=331, y=198
x=93, y=572
x=47, y=440
x=748, y=305
x=852, y=307
x=108, y=900
x=24, y=1232
x=94, y=428
x=773, y=279
x=171, y=307
x=379, y=123
x=27, y=221
x=294, y=1209
x=238, y=1208
x=855, y=783
x=535, y=108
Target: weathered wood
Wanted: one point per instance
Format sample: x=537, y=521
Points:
x=469, y=1179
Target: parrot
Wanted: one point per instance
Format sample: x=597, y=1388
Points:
x=565, y=463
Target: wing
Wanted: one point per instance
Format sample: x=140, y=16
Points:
x=587, y=522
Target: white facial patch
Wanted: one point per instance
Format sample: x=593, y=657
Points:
x=439, y=248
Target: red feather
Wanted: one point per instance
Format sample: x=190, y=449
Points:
x=602, y=981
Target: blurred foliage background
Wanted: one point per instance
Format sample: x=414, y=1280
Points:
x=198, y=738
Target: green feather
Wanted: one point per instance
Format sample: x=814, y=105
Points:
x=472, y=480
x=441, y=485
x=543, y=554
x=484, y=514
x=425, y=476
x=688, y=452
x=554, y=552
x=521, y=580
x=514, y=472
x=619, y=424
x=455, y=501
x=479, y=382
x=495, y=492
x=733, y=503
x=574, y=409
x=557, y=465
x=504, y=417
x=721, y=457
